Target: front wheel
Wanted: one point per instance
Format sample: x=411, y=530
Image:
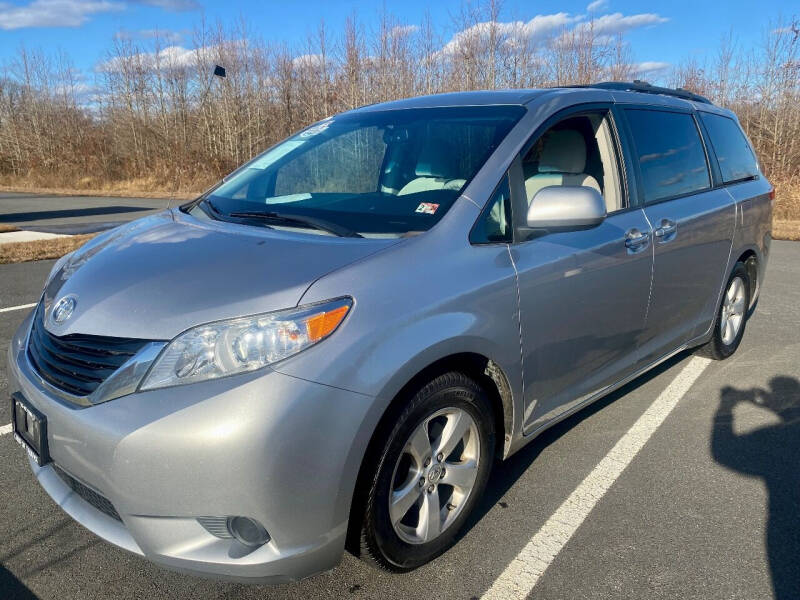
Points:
x=430, y=473
x=731, y=316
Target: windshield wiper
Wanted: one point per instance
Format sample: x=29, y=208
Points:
x=218, y=214
x=314, y=222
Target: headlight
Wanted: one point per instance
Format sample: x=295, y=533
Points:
x=246, y=344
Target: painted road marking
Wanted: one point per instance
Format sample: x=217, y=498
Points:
x=522, y=574
x=5, y=429
x=20, y=307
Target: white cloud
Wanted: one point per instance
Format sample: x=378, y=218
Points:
x=597, y=5
x=53, y=13
x=308, y=61
x=82, y=92
x=650, y=67
x=401, y=30
x=541, y=26
x=73, y=13
x=172, y=5
x=178, y=57
x=171, y=57
x=538, y=28
x=557, y=25
x=615, y=23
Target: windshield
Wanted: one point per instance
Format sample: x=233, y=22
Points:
x=366, y=174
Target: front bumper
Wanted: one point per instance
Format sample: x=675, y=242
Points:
x=276, y=448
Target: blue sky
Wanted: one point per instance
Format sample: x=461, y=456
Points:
x=85, y=28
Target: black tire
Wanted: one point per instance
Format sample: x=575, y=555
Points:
x=716, y=348
x=379, y=543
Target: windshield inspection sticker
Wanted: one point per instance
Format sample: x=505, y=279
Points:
x=427, y=208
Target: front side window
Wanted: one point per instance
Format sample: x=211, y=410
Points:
x=577, y=151
x=670, y=154
x=372, y=174
x=494, y=225
x=734, y=154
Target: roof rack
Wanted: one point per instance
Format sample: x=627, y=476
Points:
x=637, y=85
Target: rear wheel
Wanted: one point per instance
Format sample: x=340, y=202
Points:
x=430, y=472
x=731, y=316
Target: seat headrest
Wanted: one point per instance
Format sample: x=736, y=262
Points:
x=437, y=159
x=563, y=151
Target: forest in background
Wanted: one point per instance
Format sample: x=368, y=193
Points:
x=155, y=119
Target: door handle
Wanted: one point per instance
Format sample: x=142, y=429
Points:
x=666, y=231
x=636, y=240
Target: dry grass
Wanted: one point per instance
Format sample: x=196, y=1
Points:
x=41, y=249
x=120, y=190
x=70, y=184
x=786, y=213
x=787, y=200
x=7, y=228
x=786, y=230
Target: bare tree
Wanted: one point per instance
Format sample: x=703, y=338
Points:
x=155, y=117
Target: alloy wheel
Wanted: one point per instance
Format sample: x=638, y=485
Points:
x=733, y=309
x=434, y=475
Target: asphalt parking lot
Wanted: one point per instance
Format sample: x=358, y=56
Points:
x=707, y=505
x=73, y=214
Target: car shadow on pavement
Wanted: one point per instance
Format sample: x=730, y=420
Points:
x=21, y=217
x=505, y=474
x=12, y=588
x=770, y=453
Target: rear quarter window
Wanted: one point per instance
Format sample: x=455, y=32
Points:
x=734, y=154
x=670, y=154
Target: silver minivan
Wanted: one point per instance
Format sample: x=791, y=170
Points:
x=330, y=348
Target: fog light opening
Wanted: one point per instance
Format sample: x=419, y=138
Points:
x=247, y=531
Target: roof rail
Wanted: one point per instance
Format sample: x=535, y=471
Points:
x=638, y=85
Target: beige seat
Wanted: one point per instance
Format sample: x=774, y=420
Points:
x=562, y=162
x=435, y=170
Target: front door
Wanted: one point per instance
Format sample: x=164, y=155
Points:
x=583, y=300
x=583, y=294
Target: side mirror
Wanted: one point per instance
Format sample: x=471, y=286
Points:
x=565, y=208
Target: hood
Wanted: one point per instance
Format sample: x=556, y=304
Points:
x=160, y=275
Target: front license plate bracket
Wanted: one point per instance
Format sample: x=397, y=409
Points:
x=30, y=429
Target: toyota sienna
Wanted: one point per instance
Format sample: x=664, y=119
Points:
x=331, y=347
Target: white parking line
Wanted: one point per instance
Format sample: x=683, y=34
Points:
x=521, y=575
x=5, y=429
x=20, y=307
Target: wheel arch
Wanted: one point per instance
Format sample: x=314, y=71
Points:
x=484, y=371
x=749, y=256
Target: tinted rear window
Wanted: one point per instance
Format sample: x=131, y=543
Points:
x=736, y=158
x=670, y=153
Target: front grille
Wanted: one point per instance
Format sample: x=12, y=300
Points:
x=77, y=363
x=96, y=499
